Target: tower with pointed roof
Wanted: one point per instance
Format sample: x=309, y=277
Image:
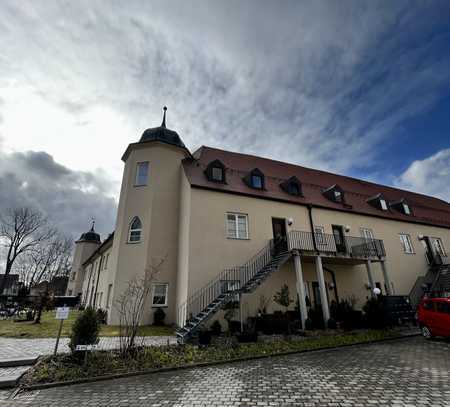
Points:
x=84, y=247
x=146, y=231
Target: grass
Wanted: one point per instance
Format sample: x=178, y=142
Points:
x=48, y=328
x=66, y=367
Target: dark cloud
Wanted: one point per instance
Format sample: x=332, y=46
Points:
x=69, y=198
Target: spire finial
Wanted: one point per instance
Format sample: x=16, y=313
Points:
x=163, y=124
x=93, y=224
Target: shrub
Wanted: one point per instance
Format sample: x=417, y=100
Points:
x=374, y=313
x=85, y=329
x=216, y=328
x=158, y=317
x=282, y=297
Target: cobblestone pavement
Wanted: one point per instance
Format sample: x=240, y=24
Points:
x=13, y=347
x=408, y=372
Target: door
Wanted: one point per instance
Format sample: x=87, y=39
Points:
x=279, y=235
x=338, y=233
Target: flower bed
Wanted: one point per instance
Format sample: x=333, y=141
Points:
x=101, y=363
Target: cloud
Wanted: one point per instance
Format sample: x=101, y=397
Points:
x=69, y=198
x=430, y=176
x=316, y=82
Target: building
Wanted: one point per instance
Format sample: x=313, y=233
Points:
x=230, y=224
x=12, y=285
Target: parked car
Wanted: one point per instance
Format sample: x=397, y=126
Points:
x=434, y=317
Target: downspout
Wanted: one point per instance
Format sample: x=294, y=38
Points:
x=311, y=223
x=96, y=285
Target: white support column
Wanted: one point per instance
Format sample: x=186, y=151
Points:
x=370, y=277
x=387, y=282
x=323, y=290
x=300, y=288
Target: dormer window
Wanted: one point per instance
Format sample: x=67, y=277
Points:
x=215, y=171
x=402, y=206
x=255, y=179
x=292, y=186
x=379, y=202
x=334, y=193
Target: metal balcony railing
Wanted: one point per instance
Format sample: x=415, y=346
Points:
x=331, y=245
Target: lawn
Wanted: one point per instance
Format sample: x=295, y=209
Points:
x=48, y=328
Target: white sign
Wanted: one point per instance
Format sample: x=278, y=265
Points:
x=62, y=312
x=86, y=347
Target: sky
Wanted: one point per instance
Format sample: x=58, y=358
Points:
x=361, y=88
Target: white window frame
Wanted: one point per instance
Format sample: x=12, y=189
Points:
x=438, y=246
x=236, y=216
x=405, y=237
x=383, y=205
x=406, y=209
x=367, y=234
x=134, y=230
x=166, y=286
x=108, y=296
x=137, y=181
x=221, y=179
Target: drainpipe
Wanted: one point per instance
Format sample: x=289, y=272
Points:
x=96, y=285
x=311, y=223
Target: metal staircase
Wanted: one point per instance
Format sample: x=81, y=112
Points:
x=227, y=286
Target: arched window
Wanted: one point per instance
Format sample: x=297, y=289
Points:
x=292, y=186
x=215, y=171
x=255, y=179
x=135, y=230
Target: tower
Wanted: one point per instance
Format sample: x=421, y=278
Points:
x=146, y=232
x=84, y=247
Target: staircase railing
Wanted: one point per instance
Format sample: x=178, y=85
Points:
x=228, y=282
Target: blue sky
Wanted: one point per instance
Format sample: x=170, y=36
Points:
x=356, y=87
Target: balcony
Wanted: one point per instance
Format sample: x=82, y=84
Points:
x=349, y=249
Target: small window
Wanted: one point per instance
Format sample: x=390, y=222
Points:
x=443, y=307
x=159, y=297
x=334, y=193
x=406, y=209
x=405, y=240
x=217, y=174
x=135, y=231
x=108, y=296
x=257, y=181
x=428, y=305
x=383, y=205
x=338, y=196
x=237, y=226
x=438, y=245
x=141, y=173
x=292, y=186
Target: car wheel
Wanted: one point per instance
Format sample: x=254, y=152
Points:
x=426, y=332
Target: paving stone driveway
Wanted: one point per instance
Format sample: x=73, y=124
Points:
x=407, y=372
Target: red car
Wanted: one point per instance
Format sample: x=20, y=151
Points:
x=434, y=317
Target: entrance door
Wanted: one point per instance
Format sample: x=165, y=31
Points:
x=338, y=233
x=279, y=235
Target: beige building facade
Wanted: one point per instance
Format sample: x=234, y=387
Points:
x=221, y=225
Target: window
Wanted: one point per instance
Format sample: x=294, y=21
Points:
x=108, y=296
x=428, y=305
x=217, y=174
x=294, y=189
x=319, y=234
x=405, y=240
x=338, y=196
x=135, y=231
x=141, y=173
x=406, y=209
x=159, y=297
x=292, y=186
x=74, y=274
x=237, y=226
x=442, y=307
x=438, y=245
x=105, y=263
x=334, y=193
x=367, y=233
x=383, y=204
x=257, y=181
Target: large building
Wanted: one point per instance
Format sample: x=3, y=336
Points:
x=225, y=224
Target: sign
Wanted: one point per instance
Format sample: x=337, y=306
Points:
x=86, y=347
x=62, y=313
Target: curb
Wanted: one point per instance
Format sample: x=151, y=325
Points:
x=27, y=361
x=202, y=364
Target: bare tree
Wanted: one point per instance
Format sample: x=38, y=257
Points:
x=131, y=304
x=21, y=231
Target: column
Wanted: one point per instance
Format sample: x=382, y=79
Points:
x=300, y=288
x=387, y=282
x=323, y=290
x=369, y=276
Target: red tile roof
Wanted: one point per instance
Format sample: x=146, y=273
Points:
x=425, y=209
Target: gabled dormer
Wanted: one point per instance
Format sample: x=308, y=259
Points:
x=334, y=193
x=292, y=186
x=255, y=179
x=401, y=206
x=378, y=201
x=215, y=172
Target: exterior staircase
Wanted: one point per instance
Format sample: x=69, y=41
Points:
x=227, y=287
x=434, y=283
